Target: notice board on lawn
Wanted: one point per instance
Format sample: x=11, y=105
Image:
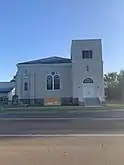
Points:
x=52, y=101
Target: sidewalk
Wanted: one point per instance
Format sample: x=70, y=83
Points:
x=63, y=151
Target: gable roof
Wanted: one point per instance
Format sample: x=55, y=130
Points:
x=6, y=90
x=6, y=87
x=49, y=60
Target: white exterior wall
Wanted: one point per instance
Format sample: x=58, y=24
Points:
x=18, y=84
x=37, y=80
x=10, y=94
x=72, y=75
x=3, y=94
x=4, y=85
x=95, y=64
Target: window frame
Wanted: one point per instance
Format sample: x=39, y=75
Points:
x=83, y=54
x=46, y=83
x=27, y=86
x=59, y=81
x=90, y=54
x=53, y=89
x=88, y=80
x=87, y=54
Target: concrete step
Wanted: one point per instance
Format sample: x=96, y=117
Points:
x=92, y=101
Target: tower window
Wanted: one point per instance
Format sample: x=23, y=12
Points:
x=87, y=54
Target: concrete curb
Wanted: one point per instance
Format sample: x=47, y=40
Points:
x=59, y=118
x=62, y=135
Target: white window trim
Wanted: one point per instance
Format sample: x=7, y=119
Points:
x=60, y=82
x=52, y=82
x=46, y=82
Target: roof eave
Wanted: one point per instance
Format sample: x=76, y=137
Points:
x=39, y=64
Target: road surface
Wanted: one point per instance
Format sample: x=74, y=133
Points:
x=65, y=114
x=62, y=150
x=62, y=123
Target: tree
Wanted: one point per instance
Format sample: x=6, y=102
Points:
x=121, y=84
x=110, y=79
x=114, y=83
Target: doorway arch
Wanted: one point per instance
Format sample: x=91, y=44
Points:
x=88, y=80
x=88, y=88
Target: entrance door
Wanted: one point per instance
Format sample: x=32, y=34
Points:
x=88, y=88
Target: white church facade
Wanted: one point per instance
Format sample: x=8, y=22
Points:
x=64, y=80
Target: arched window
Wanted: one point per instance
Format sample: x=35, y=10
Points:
x=88, y=80
x=56, y=82
x=53, y=81
x=49, y=82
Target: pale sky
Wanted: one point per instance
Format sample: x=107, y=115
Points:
x=33, y=29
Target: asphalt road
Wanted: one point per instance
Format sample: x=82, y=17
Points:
x=62, y=123
x=61, y=126
x=63, y=114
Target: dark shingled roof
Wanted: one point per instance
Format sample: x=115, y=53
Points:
x=50, y=60
x=6, y=90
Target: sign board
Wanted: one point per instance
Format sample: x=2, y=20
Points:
x=52, y=101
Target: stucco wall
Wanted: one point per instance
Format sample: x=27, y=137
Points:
x=4, y=86
x=37, y=81
x=79, y=65
x=3, y=94
x=72, y=75
x=11, y=93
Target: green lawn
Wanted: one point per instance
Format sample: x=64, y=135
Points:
x=115, y=106
x=108, y=106
x=52, y=108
